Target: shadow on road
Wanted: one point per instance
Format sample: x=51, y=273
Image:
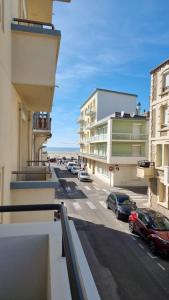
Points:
x=63, y=173
x=67, y=189
x=136, y=189
x=117, y=263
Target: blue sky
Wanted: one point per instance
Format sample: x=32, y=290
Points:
x=111, y=44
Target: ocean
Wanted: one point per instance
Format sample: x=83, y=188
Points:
x=62, y=149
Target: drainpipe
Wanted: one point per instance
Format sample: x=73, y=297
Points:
x=19, y=138
x=109, y=141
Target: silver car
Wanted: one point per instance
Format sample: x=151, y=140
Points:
x=84, y=176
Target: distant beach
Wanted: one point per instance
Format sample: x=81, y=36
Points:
x=62, y=151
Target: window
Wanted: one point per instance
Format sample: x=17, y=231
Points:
x=144, y=218
x=153, y=122
x=164, y=116
x=154, y=87
x=161, y=192
x=159, y=155
x=136, y=150
x=165, y=81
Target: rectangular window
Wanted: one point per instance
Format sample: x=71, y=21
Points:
x=154, y=87
x=159, y=155
x=164, y=116
x=136, y=150
x=161, y=192
x=165, y=81
x=153, y=122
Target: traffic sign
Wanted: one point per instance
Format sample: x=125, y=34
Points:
x=111, y=168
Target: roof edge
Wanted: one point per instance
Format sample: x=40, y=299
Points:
x=108, y=91
x=159, y=66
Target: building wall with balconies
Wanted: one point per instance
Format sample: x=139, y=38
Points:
x=120, y=142
x=159, y=134
x=16, y=112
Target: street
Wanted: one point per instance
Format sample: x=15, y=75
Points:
x=121, y=264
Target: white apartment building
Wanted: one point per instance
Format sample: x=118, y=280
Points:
x=158, y=170
x=112, y=134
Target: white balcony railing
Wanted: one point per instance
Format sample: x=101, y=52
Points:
x=129, y=136
x=98, y=155
x=80, y=120
x=100, y=137
x=90, y=112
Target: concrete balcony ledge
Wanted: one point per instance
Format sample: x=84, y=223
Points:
x=146, y=172
x=34, y=29
x=35, y=51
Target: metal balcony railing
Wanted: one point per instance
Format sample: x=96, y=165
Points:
x=145, y=163
x=129, y=136
x=41, y=121
x=31, y=23
x=68, y=250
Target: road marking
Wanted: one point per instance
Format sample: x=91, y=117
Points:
x=103, y=204
x=107, y=192
x=77, y=205
x=141, y=246
x=161, y=266
x=87, y=188
x=96, y=188
x=91, y=205
x=149, y=254
x=133, y=237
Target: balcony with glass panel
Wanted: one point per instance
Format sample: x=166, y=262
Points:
x=129, y=137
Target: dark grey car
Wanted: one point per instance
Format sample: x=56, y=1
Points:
x=121, y=205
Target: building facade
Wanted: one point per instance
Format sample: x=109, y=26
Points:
x=28, y=60
x=111, y=134
x=158, y=169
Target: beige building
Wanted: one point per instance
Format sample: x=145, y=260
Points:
x=40, y=260
x=113, y=134
x=158, y=170
x=28, y=60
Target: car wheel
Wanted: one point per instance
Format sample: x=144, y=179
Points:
x=152, y=247
x=108, y=206
x=131, y=227
x=117, y=215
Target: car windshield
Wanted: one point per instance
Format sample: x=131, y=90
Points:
x=84, y=174
x=160, y=223
x=124, y=200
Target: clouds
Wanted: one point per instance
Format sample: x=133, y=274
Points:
x=110, y=44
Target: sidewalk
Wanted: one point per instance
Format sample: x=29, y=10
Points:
x=137, y=194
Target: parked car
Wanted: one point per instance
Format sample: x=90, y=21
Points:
x=84, y=176
x=121, y=205
x=53, y=159
x=74, y=170
x=153, y=227
x=70, y=165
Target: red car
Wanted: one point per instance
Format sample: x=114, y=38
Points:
x=153, y=227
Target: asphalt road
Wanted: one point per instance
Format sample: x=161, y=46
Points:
x=121, y=263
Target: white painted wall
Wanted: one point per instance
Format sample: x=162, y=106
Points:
x=23, y=263
x=108, y=103
x=127, y=176
x=31, y=262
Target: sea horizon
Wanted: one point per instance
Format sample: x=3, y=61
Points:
x=63, y=149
